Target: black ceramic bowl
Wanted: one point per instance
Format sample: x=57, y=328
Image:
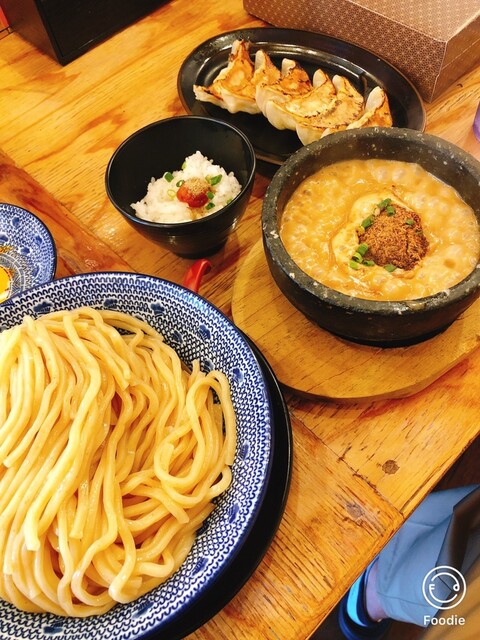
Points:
x=163, y=146
x=368, y=321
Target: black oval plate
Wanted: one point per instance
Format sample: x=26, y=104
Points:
x=364, y=69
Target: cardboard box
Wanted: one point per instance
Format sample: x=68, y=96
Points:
x=433, y=42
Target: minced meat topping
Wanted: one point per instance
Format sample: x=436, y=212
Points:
x=392, y=237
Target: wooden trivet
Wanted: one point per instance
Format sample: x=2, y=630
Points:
x=310, y=361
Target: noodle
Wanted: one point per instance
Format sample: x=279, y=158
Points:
x=111, y=453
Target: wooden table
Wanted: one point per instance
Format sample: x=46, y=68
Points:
x=359, y=470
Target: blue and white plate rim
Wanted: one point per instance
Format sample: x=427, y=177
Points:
x=53, y=626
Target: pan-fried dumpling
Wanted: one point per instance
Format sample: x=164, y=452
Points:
x=233, y=88
x=293, y=81
x=266, y=73
x=377, y=111
x=376, y=114
x=347, y=107
x=284, y=115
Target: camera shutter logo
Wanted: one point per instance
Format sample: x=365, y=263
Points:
x=446, y=579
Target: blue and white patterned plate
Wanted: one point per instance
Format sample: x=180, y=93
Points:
x=196, y=329
x=27, y=249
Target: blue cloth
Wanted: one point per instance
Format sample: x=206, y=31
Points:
x=412, y=553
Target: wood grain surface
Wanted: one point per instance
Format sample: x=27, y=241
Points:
x=332, y=368
x=78, y=250
x=359, y=468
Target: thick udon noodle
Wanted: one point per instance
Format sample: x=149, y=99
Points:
x=111, y=452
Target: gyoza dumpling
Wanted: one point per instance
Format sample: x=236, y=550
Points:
x=347, y=107
x=233, y=88
x=293, y=81
x=285, y=114
x=377, y=111
x=266, y=73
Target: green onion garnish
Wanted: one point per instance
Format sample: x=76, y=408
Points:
x=369, y=263
x=384, y=203
x=210, y=195
x=168, y=176
x=368, y=221
x=215, y=180
x=410, y=222
x=390, y=210
x=359, y=253
x=357, y=257
x=389, y=267
x=184, y=165
x=210, y=205
x=171, y=193
x=179, y=183
x=354, y=264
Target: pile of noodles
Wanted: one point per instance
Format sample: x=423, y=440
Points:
x=111, y=452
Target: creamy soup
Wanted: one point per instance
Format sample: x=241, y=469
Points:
x=323, y=223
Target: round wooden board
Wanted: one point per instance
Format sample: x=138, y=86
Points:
x=315, y=363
